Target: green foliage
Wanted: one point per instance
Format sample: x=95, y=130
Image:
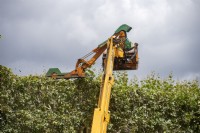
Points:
x=39, y=104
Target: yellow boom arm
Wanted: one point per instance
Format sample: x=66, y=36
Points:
x=101, y=113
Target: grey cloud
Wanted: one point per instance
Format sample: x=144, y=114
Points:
x=48, y=33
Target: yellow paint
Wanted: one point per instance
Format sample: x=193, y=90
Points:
x=101, y=116
x=119, y=52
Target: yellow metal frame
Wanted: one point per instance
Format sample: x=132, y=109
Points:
x=101, y=116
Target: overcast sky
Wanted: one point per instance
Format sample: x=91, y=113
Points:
x=37, y=35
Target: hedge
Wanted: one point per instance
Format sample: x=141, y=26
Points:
x=37, y=104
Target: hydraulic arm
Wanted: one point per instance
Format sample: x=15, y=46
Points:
x=83, y=64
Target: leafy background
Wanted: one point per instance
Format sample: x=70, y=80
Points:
x=38, y=104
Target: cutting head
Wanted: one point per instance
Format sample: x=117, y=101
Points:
x=123, y=27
